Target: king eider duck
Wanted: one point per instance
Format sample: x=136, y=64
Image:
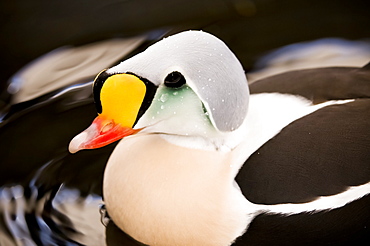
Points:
x=203, y=161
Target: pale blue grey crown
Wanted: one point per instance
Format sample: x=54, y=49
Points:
x=209, y=67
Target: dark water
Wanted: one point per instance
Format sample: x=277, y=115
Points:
x=47, y=195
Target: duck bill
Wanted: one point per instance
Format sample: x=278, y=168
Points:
x=100, y=133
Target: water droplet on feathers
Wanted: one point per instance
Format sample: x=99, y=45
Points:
x=163, y=98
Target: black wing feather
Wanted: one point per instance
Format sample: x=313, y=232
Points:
x=320, y=84
x=320, y=154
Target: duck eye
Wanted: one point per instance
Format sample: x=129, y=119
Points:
x=174, y=80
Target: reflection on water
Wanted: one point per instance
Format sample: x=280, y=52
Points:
x=63, y=218
x=325, y=52
x=38, y=214
x=48, y=196
x=59, y=67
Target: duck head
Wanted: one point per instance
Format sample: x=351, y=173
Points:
x=187, y=85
